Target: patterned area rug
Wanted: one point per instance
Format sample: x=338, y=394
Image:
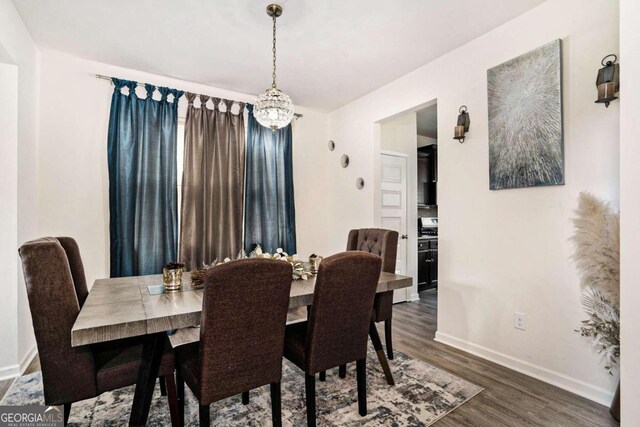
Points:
x=422, y=395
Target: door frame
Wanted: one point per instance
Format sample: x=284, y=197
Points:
x=412, y=226
x=412, y=201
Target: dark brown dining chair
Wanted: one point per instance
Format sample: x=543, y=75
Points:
x=336, y=331
x=383, y=243
x=244, y=313
x=57, y=289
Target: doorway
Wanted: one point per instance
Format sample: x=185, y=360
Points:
x=408, y=145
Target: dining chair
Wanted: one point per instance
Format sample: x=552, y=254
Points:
x=383, y=243
x=56, y=290
x=336, y=330
x=244, y=313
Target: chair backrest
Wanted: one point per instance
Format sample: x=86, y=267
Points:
x=68, y=372
x=244, y=314
x=339, y=320
x=377, y=241
x=77, y=268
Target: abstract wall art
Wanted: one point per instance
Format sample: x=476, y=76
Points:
x=526, y=147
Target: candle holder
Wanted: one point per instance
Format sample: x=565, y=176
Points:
x=463, y=125
x=172, y=276
x=608, y=80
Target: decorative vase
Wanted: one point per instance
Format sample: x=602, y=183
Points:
x=315, y=261
x=172, y=277
x=614, y=409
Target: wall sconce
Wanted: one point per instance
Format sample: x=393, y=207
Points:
x=608, y=81
x=463, y=124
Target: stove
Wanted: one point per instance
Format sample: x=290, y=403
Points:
x=427, y=226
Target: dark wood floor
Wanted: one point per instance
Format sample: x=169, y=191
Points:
x=509, y=398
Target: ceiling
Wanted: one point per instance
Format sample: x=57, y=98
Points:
x=330, y=52
x=427, y=121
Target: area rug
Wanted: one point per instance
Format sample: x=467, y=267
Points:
x=422, y=395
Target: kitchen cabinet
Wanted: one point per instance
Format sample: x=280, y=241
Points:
x=427, y=264
x=427, y=175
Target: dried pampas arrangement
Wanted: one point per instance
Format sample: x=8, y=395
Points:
x=597, y=240
x=597, y=256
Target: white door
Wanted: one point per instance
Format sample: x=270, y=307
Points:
x=393, y=212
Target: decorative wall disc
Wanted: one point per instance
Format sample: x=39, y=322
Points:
x=359, y=183
x=332, y=145
x=344, y=161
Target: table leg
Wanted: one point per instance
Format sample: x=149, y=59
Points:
x=152, y=350
x=377, y=345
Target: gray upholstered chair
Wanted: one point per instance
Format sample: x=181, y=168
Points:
x=244, y=313
x=57, y=289
x=383, y=243
x=336, y=331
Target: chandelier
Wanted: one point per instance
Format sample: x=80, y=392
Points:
x=273, y=108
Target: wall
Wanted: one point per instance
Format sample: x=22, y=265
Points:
x=9, y=218
x=73, y=156
x=426, y=140
x=630, y=208
x=502, y=251
x=17, y=48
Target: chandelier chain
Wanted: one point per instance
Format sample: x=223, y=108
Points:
x=273, y=84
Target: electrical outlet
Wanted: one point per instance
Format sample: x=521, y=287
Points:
x=520, y=321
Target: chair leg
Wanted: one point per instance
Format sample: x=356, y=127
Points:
x=172, y=397
x=276, y=405
x=205, y=420
x=342, y=371
x=361, y=374
x=180, y=389
x=245, y=397
x=310, y=392
x=163, y=386
x=387, y=338
x=323, y=375
x=67, y=412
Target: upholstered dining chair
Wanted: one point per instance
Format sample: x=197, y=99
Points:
x=383, y=243
x=336, y=330
x=244, y=313
x=57, y=289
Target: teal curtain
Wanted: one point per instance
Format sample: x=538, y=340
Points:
x=270, y=213
x=142, y=179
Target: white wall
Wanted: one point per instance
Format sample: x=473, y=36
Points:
x=17, y=47
x=502, y=251
x=630, y=208
x=9, y=219
x=426, y=140
x=73, y=156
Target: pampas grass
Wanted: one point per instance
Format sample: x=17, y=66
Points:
x=597, y=241
x=597, y=256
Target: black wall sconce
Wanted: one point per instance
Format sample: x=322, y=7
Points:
x=463, y=124
x=608, y=81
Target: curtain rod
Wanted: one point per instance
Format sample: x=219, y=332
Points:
x=103, y=77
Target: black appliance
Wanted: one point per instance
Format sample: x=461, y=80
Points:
x=427, y=253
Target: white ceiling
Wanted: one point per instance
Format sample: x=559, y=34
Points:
x=330, y=52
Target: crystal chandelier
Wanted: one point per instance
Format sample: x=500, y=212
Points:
x=273, y=108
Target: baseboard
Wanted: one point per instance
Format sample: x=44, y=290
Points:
x=27, y=359
x=9, y=372
x=414, y=297
x=591, y=392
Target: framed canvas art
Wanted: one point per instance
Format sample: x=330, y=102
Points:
x=526, y=147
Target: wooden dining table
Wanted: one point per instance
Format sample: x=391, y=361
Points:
x=127, y=307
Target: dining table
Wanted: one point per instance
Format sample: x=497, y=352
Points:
x=139, y=306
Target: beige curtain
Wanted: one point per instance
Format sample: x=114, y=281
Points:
x=212, y=183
